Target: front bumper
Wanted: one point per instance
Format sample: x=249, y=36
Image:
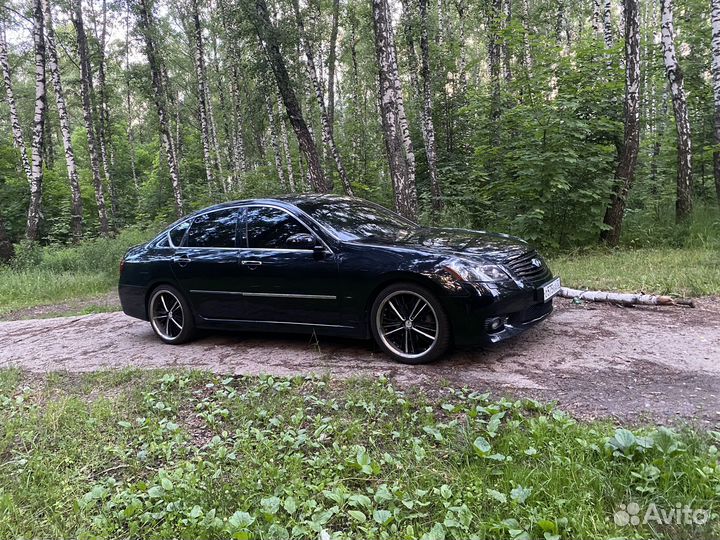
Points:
x=518, y=309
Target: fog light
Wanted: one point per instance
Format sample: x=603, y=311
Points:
x=495, y=324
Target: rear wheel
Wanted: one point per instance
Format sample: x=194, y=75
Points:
x=170, y=315
x=409, y=324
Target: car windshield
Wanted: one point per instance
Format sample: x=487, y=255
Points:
x=352, y=220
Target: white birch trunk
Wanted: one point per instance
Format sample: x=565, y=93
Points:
x=427, y=121
x=34, y=215
x=275, y=144
x=160, y=98
x=400, y=100
x=200, y=76
x=607, y=24
x=402, y=181
x=286, y=147
x=18, y=138
x=86, y=97
x=596, y=16
x=716, y=90
x=683, y=203
x=327, y=131
x=527, y=53
x=73, y=178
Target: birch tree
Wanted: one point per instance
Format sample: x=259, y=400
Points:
x=428, y=128
x=16, y=126
x=402, y=163
x=203, y=97
x=34, y=215
x=286, y=147
x=258, y=12
x=73, y=177
x=327, y=130
x=146, y=27
x=332, y=59
x=607, y=24
x=87, y=106
x=716, y=91
x=277, y=154
x=625, y=171
x=683, y=202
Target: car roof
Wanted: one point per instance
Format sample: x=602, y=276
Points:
x=295, y=199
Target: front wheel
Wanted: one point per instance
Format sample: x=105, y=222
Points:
x=170, y=315
x=409, y=324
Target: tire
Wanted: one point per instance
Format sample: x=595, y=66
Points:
x=180, y=326
x=409, y=324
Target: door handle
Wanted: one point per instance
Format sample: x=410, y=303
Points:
x=252, y=265
x=181, y=260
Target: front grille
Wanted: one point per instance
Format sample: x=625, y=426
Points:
x=522, y=267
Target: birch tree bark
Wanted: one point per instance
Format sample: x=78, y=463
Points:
x=427, y=120
x=73, y=178
x=327, y=129
x=527, y=55
x=274, y=143
x=625, y=171
x=201, y=77
x=18, y=138
x=239, y=160
x=106, y=153
x=683, y=203
x=146, y=27
x=86, y=95
x=128, y=100
x=286, y=147
x=402, y=166
x=596, y=16
x=332, y=59
x=607, y=24
x=716, y=91
x=266, y=33
x=34, y=215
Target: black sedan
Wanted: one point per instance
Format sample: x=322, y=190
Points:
x=335, y=265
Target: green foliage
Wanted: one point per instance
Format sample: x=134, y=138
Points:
x=53, y=274
x=683, y=272
x=192, y=455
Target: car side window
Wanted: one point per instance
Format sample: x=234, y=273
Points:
x=178, y=233
x=214, y=229
x=270, y=228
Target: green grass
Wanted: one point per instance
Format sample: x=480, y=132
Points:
x=57, y=274
x=685, y=272
x=129, y=454
x=29, y=288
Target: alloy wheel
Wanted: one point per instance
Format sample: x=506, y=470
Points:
x=167, y=315
x=407, y=324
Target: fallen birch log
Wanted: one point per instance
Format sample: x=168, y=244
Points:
x=627, y=299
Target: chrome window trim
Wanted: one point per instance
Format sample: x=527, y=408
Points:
x=269, y=295
x=249, y=205
x=267, y=205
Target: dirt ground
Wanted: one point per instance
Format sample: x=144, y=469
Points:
x=633, y=364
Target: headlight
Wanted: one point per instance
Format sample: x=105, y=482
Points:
x=467, y=271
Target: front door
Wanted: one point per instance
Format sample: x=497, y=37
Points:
x=207, y=268
x=283, y=283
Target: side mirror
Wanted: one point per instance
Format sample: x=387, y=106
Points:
x=302, y=241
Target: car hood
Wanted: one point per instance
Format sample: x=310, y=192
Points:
x=490, y=247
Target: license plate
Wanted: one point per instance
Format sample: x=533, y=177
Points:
x=550, y=289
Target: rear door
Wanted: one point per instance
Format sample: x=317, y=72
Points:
x=282, y=283
x=206, y=265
